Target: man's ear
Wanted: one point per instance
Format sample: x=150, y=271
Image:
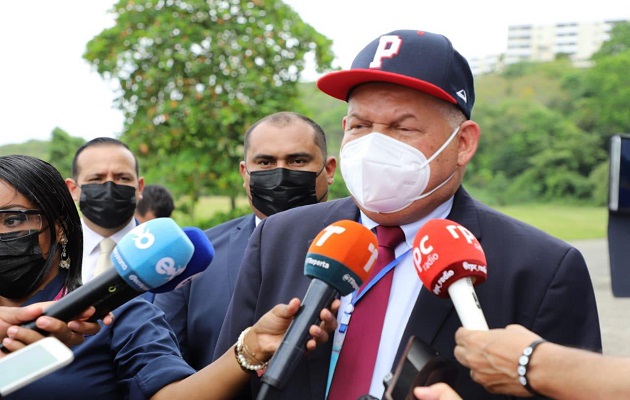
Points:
x=74, y=189
x=331, y=167
x=469, y=133
x=243, y=171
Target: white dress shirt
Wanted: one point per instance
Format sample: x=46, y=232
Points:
x=91, y=247
x=405, y=289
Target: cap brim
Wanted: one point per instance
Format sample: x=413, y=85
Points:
x=338, y=84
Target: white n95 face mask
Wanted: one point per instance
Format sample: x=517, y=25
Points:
x=385, y=175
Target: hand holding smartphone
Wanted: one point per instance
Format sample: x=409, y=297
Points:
x=31, y=363
x=420, y=365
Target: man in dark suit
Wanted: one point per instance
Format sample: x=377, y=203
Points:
x=106, y=184
x=285, y=165
x=407, y=140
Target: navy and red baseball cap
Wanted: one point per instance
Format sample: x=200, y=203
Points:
x=416, y=59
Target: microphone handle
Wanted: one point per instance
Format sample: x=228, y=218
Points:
x=120, y=296
x=281, y=366
x=463, y=296
x=106, y=286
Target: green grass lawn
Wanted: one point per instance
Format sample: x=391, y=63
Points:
x=563, y=221
x=210, y=205
x=205, y=209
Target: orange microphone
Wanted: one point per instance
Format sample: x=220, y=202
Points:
x=449, y=260
x=338, y=261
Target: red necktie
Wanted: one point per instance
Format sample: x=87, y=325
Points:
x=353, y=373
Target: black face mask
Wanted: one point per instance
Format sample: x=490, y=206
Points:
x=107, y=204
x=280, y=189
x=21, y=266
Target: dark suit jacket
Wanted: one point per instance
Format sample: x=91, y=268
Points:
x=533, y=279
x=195, y=311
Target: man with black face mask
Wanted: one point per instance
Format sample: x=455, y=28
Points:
x=106, y=184
x=285, y=166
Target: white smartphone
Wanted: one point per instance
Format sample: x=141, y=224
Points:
x=31, y=363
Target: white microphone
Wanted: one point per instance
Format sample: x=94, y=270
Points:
x=449, y=260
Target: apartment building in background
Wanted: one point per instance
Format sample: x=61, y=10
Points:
x=543, y=43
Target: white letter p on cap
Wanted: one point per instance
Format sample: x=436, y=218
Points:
x=388, y=47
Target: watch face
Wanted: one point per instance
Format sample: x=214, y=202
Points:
x=619, y=195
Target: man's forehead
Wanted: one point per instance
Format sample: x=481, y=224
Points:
x=283, y=150
x=289, y=139
x=106, y=158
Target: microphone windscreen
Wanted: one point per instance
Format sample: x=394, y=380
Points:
x=342, y=255
x=152, y=254
x=445, y=252
x=201, y=259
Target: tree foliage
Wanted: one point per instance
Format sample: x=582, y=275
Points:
x=618, y=42
x=528, y=151
x=606, y=95
x=195, y=74
x=61, y=150
x=33, y=148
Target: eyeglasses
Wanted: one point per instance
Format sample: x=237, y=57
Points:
x=15, y=224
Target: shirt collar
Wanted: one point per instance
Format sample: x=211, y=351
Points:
x=91, y=239
x=410, y=230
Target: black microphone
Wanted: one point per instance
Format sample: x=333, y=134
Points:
x=338, y=260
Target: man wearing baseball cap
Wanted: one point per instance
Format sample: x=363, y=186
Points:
x=408, y=136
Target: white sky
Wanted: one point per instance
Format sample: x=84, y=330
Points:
x=45, y=83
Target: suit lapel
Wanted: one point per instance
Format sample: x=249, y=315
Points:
x=430, y=312
x=341, y=209
x=238, y=242
x=338, y=210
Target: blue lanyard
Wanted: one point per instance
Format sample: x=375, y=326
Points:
x=359, y=294
x=345, y=318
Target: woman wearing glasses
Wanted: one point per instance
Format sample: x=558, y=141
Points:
x=30, y=254
x=136, y=356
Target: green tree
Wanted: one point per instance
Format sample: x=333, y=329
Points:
x=604, y=107
x=195, y=74
x=561, y=170
x=528, y=151
x=602, y=93
x=33, y=148
x=619, y=41
x=328, y=113
x=61, y=150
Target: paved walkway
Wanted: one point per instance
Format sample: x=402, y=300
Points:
x=614, y=312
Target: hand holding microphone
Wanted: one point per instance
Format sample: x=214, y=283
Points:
x=338, y=260
x=449, y=260
x=149, y=256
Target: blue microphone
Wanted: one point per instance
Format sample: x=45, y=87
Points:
x=201, y=259
x=150, y=255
